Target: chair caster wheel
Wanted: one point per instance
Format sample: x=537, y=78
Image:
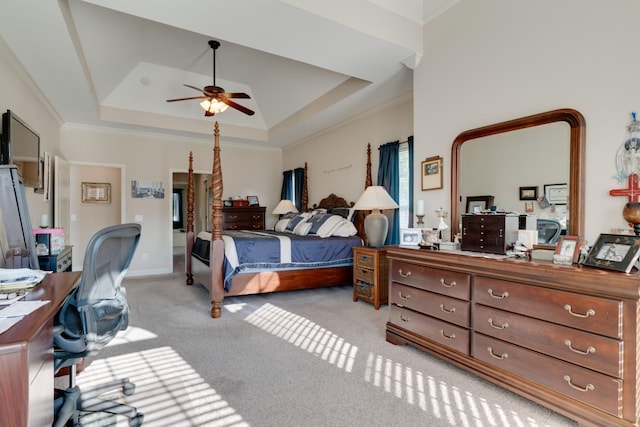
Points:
x=137, y=420
x=128, y=389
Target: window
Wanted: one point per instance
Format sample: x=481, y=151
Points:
x=404, y=185
x=177, y=209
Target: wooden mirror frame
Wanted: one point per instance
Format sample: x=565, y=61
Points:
x=576, y=122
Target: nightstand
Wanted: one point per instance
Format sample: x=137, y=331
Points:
x=56, y=262
x=370, y=275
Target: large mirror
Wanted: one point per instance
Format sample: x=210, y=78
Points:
x=547, y=149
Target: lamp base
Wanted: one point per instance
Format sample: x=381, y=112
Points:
x=376, y=226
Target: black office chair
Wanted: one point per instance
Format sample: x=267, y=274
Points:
x=549, y=231
x=89, y=319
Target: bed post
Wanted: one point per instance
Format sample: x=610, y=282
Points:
x=367, y=183
x=217, y=244
x=305, y=190
x=190, y=238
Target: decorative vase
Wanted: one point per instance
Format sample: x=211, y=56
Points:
x=631, y=214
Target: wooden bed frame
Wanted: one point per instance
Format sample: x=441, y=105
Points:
x=262, y=282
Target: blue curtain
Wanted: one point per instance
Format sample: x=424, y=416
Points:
x=298, y=177
x=410, y=148
x=287, y=186
x=388, y=177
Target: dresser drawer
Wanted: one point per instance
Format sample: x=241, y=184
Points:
x=363, y=289
x=443, y=307
x=365, y=260
x=451, y=283
x=364, y=275
x=592, y=351
x=243, y=226
x=582, y=384
x=599, y=315
x=436, y=330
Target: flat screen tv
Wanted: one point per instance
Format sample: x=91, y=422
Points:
x=20, y=146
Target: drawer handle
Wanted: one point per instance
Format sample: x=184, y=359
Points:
x=449, y=337
x=404, y=297
x=505, y=325
x=403, y=318
x=575, y=350
x=589, y=387
x=590, y=312
x=447, y=285
x=497, y=356
x=233, y=216
x=503, y=296
x=403, y=274
x=447, y=310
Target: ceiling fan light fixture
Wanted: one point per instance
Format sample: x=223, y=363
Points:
x=213, y=106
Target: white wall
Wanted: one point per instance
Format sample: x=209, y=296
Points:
x=494, y=60
x=146, y=157
x=337, y=159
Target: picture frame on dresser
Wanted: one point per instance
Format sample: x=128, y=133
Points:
x=410, y=236
x=569, y=246
x=253, y=200
x=479, y=203
x=614, y=252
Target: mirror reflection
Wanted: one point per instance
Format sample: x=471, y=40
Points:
x=508, y=165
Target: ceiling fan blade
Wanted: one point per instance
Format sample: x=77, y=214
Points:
x=199, y=89
x=186, y=99
x=236, y=95
x=236, y=106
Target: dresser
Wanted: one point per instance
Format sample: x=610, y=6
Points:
x=566, y=337
x=243, y=218
x=491, y=233
x=57, y=262
x=370, y=275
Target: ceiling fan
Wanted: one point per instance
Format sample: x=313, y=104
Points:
x=215, y=98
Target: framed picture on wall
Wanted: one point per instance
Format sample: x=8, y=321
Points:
x=96, y=192
x=477, y=204
x=432, y=173
x=528, y=193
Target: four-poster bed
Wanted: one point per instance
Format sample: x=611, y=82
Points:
x=208, y=266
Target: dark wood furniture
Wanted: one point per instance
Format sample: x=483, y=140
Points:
x=26, y=357
x=243, y=218
x=566, y=337
x=211, y=277
x=58, y=262
x=370, y=275
x=491, y=233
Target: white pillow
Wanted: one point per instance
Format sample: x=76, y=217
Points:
x=302, y=229
x=281, y=225
x=346, y=229
x=329, y=225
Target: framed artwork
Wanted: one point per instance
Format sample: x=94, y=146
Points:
x=410, y=236
x=477, y=204
x=96, y=192
x=432, y=173
x=569, y=246
x=528, y=193
x=556, y=194
x=147, y=189
x=253, y=200
x=614, y=252
x=528, y=207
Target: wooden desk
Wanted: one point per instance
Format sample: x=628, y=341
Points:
x=26, y=357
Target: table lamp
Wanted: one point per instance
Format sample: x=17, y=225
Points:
x=376, y=224
x=284, y=207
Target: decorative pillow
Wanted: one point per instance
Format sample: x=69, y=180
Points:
x=302, y=229
x=281, y=225
x=346, y=213
x=324, y=224
x=288, y=215
x=293, y=222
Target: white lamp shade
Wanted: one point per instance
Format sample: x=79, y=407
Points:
x=375, y=197
x=284, y=207
x=376, y=224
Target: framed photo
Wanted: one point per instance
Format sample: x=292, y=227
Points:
x=556, y=194
x=96, y=192
x=410, y=236
x=432, y=173
x=253, y=200
x=477, y=204
x=227, y=203
x=614, y=252
x=569, y=246
x=528, y=207
x=528, y=193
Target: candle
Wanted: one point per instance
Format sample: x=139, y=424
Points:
x=44, y=221
x=420, y=207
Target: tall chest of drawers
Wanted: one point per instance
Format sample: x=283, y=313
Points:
x=565, y=337
x=243, y=218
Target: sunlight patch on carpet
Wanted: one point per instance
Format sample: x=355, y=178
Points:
x=169, y=391
x=305, y=334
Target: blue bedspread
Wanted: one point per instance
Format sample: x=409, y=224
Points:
x=269, y=250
